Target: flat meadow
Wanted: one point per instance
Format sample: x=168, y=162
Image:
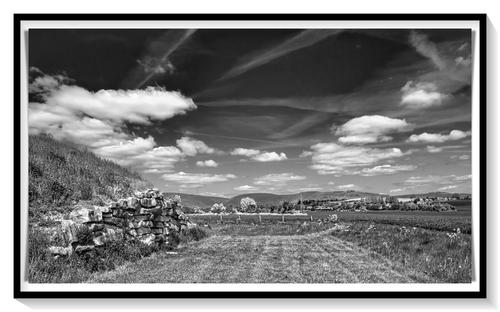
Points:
x=362, y=247
x=359, y=247
x=435, y=244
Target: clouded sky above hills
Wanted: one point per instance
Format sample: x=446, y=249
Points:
x=224, y=112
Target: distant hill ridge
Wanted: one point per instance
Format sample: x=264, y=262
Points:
x=432, y=194
x=201, y=201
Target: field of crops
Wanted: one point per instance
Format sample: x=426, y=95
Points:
x=440, y=221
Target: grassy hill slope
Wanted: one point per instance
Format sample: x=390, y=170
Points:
x=62, y=174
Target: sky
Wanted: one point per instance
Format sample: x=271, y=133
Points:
x=222, y=112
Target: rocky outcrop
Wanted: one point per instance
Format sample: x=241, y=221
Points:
x=147, y=216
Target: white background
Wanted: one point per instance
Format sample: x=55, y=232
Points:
x=474, y=286
x=255, y=6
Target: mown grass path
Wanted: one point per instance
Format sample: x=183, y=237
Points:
x=311, y=258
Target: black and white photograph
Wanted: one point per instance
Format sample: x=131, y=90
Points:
x=264, y=156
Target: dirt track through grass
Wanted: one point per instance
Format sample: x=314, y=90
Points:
x=312, y=258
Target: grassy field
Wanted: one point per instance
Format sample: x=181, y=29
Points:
x=264, y=259
x=432, y=220
x=308, y=252
x=367, y=247
x=443, y=256
x=438, y=221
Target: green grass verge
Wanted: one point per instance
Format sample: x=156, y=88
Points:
x=76, y=268
x=444, y=256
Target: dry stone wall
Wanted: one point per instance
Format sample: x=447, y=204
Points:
x=146, y=216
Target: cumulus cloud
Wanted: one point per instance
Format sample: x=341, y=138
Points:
x=128, y=148
x=277, y=178
x=421, y=95
x=87, y=131
x=154, y=170
x=192, y=147
x=196, y=178
x=306, y=189
x=386, y=169
x=464, y=157
x=460, y=157
x=135, y=106
x=463, y=178
x=260, y=156
x=270, y=156
x=434, y=149
x=190, y=186
x=364, y=139
x=136, y=154
x=143, y=154
x=398, y=190
x=419, y=180
x=435, y=180
x=369, y=129
x=437, y=137
x=244, y=188
x=207, y=163
x=333, y=158
x=111, y=143
x=346, y=186
x=240, y=151
x=42, y=85
x=305, y=154
x=96, y=120
x=448, y=187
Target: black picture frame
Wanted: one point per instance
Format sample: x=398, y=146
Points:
x=19, y=18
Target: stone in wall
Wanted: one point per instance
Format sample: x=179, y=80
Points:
x=147, y=216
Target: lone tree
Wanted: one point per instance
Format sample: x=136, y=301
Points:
x=218, y=208
x=247, y=204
